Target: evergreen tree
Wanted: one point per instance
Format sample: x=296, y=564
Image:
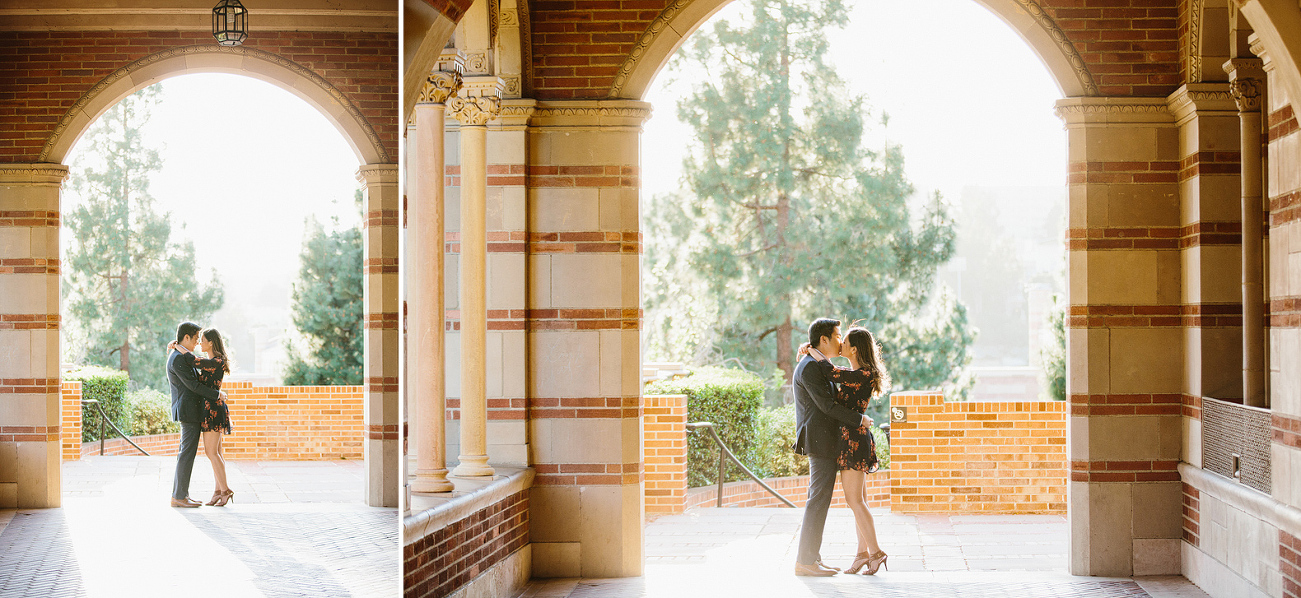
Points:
x=787, y=216
x=127, y=284
x=328, y=308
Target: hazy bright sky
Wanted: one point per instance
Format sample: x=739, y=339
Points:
x=244, y=164
x=968, y=99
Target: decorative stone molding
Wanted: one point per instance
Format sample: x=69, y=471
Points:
x=1246, y=82
x=1200, y=98
x=439, y=86
x=653, y=31
x=1064, y=44
x=244, y=52
x=42, y=175
x=371, y=174
x=1114, y=110
x=511, y=86
x=474, y=111
x=1194, y=55
x=598, y=113
x=516, y=112
x=476, y=63
x=1258, y=48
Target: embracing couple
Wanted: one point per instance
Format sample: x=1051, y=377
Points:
x=200, y=405
x=833, y=430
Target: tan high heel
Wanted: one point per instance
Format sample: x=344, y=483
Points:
x=227, y=496
x=216, y=495
x=875, y=561
x=860, y=559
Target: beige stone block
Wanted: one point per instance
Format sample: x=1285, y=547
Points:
x=1192, y=449
x=551, y=514
x=1086, y=205
x=1158, y=510
x=631, y=265
x=1117, y=277
x=16, y=354
x=27, y=294
x=1152, y=204
x=16, y=242
x=38, y=474
x=452, y=359
x=1221, y=362
x=1130, y=438
x=1087, y=364
x=1221, y=274
x=1156, y=557
x=26, y=410
x=631, y=363
x=611, y=363
x=1281, y=476
x=1110, y=551
x=506, y=282
x=1128, y=144
x=1169, y=277
x=581, y=441
x=1077, y=437
x=612, y=204
x=633, y=431
x=585, y=281
x=557, y=559
x=1285, y=168
x=587, y=147
x=451, y=143
x=451, y=208
x=452, y=281
x=8, y=462
x=493, y=362
x=514, y=212
x=1146, y=360
x=493, y=209
x=539, y=282
x=28, y=198
x=514, y=363
x=506, y=147
x=553, y=209
x=610, y=531
x=8, y=495
x=561, y=364
x=1287, y=384
x=1221, y=198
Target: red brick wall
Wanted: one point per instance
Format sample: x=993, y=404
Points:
x=44, y=72
x=1192, y=515
x=1131, y=47
x=157, y=445
x=795, y=489
x=978, y=457
x=285, y=423
x=443, y=561
x=1289, y=563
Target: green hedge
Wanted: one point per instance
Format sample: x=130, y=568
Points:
x=775, y=458
x=150, y=412
x=732, y=400
x=109, y=388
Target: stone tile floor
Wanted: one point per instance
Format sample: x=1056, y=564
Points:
x=295, y=529
x=750, y=552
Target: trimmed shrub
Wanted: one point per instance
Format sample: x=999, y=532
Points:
x=107, y=386
x=775, y=458
x=150, y=413
x=732, y=401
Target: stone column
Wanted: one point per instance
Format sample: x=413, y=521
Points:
x=481, y=104
x=383, y=352
x=29, y=335
x=1125, y=371
x=427, y=315
x=1246, y=81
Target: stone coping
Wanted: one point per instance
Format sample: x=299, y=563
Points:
x=431, y=512
x=1254, y=502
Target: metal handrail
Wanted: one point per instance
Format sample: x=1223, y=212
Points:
x=104, y=418
x=725, y=453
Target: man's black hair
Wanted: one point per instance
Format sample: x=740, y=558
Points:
x=187, y=329
x=821, y=327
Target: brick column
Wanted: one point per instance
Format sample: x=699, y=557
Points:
x=71, y=433
x=383, y=201
x=1208, y=240
x=1125, y=341
x=30, y=409
x=427, y=382
x=666, y=453
x=584, y=355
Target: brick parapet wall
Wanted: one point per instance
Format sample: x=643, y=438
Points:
x=51, y=70
x=446, y=559
x=665, y=441
x=1192, y=516
x=795, y=489
x=283, y=423
x=978, y=457
x=1289, y=563
x=157, y=445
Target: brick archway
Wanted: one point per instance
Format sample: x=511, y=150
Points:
x=336, y=106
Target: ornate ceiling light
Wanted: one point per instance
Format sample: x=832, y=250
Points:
x=230, y=23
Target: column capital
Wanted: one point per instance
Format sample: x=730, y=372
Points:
x=474, y=111
x=371, y=174
x=1200, y=99
x=1246, y=82
x=35, y=174
x=439, y=86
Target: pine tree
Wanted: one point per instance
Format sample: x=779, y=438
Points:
x=127, y=283
x=328, y=308
x=787, y=216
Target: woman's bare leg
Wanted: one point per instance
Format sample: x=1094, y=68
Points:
x=212, y=448
x=853, y=482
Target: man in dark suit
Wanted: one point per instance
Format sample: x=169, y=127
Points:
x=817, y=431
x=187, y=408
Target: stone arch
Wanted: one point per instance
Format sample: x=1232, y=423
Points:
x=681, y=18
x=182, y=60
x=1278, y=25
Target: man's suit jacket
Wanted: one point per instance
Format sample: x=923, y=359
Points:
x=818, y=417
x=187, y=392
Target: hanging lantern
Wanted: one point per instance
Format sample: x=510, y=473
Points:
x=230, y=23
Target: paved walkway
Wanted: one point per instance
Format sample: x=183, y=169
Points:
x=751, y=553
x=295, y=529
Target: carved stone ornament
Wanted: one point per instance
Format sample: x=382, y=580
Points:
x=476, y=63
x=1246, y=93
x=1194, y=42
x=439, y=86
x=511, y=86
x=476, y=111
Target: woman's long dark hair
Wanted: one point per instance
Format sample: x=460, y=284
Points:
x=869, y=358
x=218, y=347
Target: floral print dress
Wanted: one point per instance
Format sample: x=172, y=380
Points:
x=857, y=446
x=216, y=416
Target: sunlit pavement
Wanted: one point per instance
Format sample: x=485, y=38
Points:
x=295, y=529
x=751, y=553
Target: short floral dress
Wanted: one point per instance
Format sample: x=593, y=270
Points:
x=216, y=416
x=857, y=446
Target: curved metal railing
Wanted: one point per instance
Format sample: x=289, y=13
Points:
x=103, y=418
x=724, y=454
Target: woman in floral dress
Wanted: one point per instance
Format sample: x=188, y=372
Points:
x=216, y=415
x=865, y=379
